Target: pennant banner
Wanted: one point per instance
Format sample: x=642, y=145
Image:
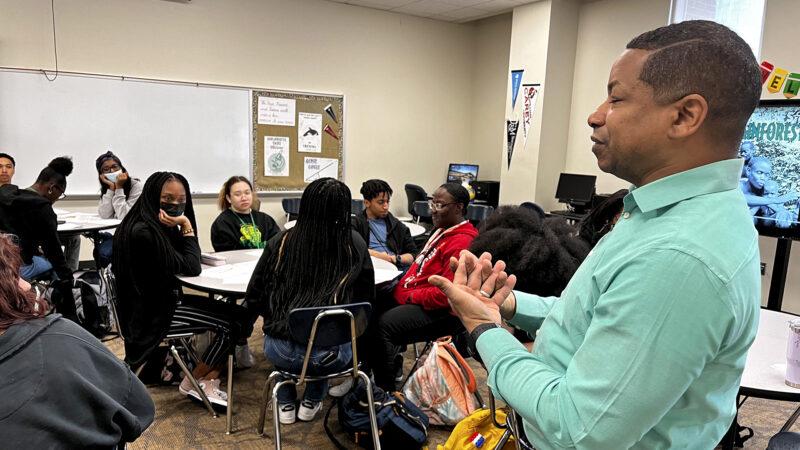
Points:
x=329, y=110
x=516, y=79
x=511, y=135
x=776, y=78
x=330, y=131
x=529, y=94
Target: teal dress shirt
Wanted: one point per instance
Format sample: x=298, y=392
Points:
x=646, y=346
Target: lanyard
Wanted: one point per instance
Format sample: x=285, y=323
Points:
x=431, y=244
x=252, y=222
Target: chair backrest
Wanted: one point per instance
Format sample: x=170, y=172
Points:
x=421, y=209
x=534, y=207
x=290, y=205
x=476, y=213
x=333, y=325
x=356, y=206
x=415, y=193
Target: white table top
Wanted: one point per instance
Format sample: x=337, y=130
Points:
x=81, y=222
x=415, y=229
x=232, y=278
x=765, y=370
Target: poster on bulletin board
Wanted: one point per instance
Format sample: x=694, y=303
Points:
x=297, y=138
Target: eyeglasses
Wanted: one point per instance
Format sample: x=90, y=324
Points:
x=112, y=168
x=61, y=196
x=438, y=206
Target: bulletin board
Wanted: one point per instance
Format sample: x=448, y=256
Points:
x=297, y=138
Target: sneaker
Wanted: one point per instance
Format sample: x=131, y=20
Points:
x=286, y=413
x=340, y=389
x=398, y=367
x=186, y=388
x=215, y=395
x=243, y=357
x=308, y=410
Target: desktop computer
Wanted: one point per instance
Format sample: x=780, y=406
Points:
x=487, y=192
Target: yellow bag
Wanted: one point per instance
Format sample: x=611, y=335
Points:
x=480, y=422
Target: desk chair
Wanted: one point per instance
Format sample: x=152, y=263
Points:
x=324, y=326
x=415, y=194
x=181, y=339
x=291, y=206
x=511, y=427
x=534, y=207
x=421, y=211
x=477, y=213
x=356, y=206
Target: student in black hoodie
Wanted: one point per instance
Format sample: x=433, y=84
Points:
x=61, y=387
x=388, y=239
x=239, y=225
x=156, y=241
x=28, y=213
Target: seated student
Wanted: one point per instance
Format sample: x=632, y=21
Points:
x=156, y=241
x=602, y=218
x=239, y=226
x=758, y=172
x=61, y=388
x=388, y=239
x=118, y=193
x=420, y=311
x=28, y=213
x=7, y=166
x=775, y=214
x=319, y=262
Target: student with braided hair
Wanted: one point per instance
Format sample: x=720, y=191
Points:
x=155, y=242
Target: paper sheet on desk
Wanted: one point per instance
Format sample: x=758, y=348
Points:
x=232, y=273
x=255, y=252
x=384, y=275
x=67, y=226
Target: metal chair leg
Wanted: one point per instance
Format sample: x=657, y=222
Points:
x=792, y=420
x=373, y=422
x=266, y=399
x=192, y=379
x=275, y=419
x=228, y=418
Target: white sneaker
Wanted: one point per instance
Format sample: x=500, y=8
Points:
x=308, y=410
x=286, y=413
x=214, y=393
x=243, y=357
x=341, y=389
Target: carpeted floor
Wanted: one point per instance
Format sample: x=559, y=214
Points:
x=183, y=423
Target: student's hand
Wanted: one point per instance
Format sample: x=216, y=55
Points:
x=170, y=221
x=121, y=179
x=381, y=255
x=466, y=291
x=107, y=182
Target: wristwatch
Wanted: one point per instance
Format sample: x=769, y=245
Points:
x=477, y=332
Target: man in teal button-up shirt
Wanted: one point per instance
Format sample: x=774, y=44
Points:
x=645, y=347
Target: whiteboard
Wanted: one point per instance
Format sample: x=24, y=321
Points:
x=202, y=132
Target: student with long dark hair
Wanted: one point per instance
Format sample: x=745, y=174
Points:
x=240, y=225
x=61, y=388
x=318, y=262
x=155, y=242
x=28, y=213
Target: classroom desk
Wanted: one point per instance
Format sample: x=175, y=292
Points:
x=415, y=229
x=764, y=373
x=82, y=223
x=232, y=278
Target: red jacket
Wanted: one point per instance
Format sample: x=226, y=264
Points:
x=434, y=259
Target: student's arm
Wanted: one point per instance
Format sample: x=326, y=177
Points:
x=48, y=230
x=256, y=297
x=408, y=248
x=122, y=205
x=757, y=200
x=646, y=343
x=223, y=237
x=364, y=285
x=105, y=208
x=429, y=296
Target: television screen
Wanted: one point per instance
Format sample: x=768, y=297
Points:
x=771, y=174
x=460, y=173
x=575, y=189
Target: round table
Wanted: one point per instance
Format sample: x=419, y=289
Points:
x=765, y=370
x=79, y=222
x=232, y=278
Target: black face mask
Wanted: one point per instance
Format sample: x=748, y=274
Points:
x=173, y=209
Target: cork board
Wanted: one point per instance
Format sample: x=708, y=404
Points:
x=297, y=138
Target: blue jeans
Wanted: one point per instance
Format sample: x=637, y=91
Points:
x=289, y=356
x=39, y=266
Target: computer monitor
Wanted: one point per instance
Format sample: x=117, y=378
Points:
x=458, y=173
x=771, y=150
x=576, y=190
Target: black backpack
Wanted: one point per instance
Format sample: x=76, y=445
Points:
x=402, y=425
x=84, y=300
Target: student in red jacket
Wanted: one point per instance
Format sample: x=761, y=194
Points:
x=422, y=312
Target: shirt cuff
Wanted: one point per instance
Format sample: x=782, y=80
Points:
x=493, y=343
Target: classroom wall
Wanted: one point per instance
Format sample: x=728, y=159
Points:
x=412, y=85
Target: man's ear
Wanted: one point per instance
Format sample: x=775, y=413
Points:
x=688, y=115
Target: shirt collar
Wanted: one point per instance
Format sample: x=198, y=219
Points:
x=715, y=177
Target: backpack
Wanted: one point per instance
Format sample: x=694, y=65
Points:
x=477, y=430
x=401, y=424
x=444, y=385
x=89, y=294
